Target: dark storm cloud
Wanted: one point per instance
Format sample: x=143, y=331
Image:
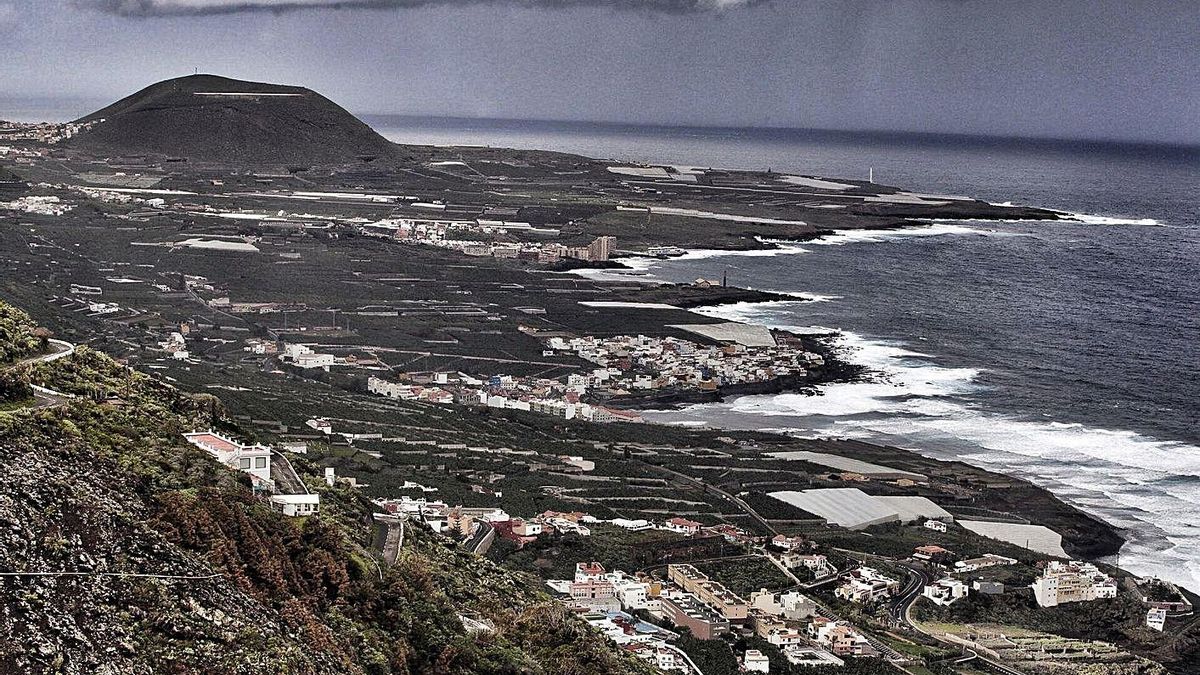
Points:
x=158, y=8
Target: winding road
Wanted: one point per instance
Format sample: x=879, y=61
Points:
x=45, y=397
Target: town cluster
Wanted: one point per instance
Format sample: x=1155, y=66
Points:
x=640, y=363
x=628, y=365
x=688, y=599
x=471, y=522
x=42, y=132
x=486, y=237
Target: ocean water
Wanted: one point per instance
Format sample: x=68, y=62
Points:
x=1067, y=353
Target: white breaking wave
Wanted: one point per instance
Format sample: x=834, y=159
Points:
x=642, y=265
x=935, y=229
x=915, y=403
x=1110, y=220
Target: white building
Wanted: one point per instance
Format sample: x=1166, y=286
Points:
x=252, y=459
x=867, y=585
x=786, y=637
x=1156, y=618
x=936, y=525
x=635, y=524
x=592, y=571
x=320, y=424
x=291, y=497
x=291, y=351
x=797, y=606
x=296, y=505
x=1073, y=581
x=755, y=661
x=945, y=591
x=314, y=360
x=632, y=593
x=683, y=526
x=983, y=562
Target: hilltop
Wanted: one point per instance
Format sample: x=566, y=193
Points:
x=212, y=119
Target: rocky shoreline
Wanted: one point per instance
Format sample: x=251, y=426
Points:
x=1083, y=535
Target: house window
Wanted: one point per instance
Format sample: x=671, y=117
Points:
x=260, y=462
x=245, y=462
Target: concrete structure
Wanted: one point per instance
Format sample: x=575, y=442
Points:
x=1156, y=618
x=683, y=526
x=252, y=459
x=296, y=505
x=725, y=602
x=1033, y=537
x=983, y=562
x=850, y=508
x=932, y=553
x=849, y=464
x=839, y=637
x=687, y=611
x=791, y=605
x=268, y=474
x=1064, y=582
x=867, y=585
x=808, y=656
x=755, y=661
x=945, y=591
x=633, y=594
x=589, y=571
x=797, y=606
x=784, y=636
x=594, y=595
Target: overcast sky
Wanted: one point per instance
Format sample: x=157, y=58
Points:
x=1113, y=69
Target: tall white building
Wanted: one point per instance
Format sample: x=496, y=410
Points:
x=1073, y=581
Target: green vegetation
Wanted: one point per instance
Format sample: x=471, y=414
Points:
x=774, y=509
x=14, y=390
x=554, y=557
x=714, y=657
x=19, y=336
x=746, y=575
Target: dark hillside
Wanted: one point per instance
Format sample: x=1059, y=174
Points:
x=211, y=119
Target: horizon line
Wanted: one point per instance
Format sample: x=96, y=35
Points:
x=976, y=137
x=973, y=136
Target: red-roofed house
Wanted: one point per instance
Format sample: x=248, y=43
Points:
x=252, y=459
x=588, y=571
x=683, y=526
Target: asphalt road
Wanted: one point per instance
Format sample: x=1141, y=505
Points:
x=46, y=398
